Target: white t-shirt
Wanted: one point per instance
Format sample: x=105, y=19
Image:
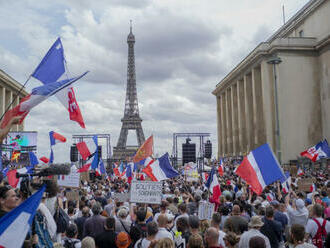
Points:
x=312, y=227
x=144, y=243
x=221, y=236
x=163, y=233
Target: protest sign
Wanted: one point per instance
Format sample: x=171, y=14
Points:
x=146, y=192
x=72, y=180
x=72, y=196
x=205, y=210
x=305, y=184
x=121, y=197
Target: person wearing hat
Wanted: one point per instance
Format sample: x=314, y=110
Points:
x=123, y=240
x=298, y=213
x=254, y=230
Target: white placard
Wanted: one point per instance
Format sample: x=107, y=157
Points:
x=72, y=180
x=146, y=192
x=205, y=210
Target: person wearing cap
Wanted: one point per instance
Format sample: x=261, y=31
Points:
x=123, y=240
x=254, y=230
x=298, y=213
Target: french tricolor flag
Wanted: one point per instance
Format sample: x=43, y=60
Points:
x=38, y=95
x=300, y=172
x=313, y=188
x=54, y=139
x=220, y=168
x=160, y=169
x=214, y=186
x=86, y=148
x=260, y=168
x=286, y=182
x=15, y=225
x=204, y=177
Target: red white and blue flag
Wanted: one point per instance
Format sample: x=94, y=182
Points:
x=54, y=139
x=221, y=168
x=286, y=183
x=15, y=225
x=38, y=95
x=160, y=169
x=260, y=168
x=214, y=186
x=52, y=68
x=300, y=172
x=320, y=150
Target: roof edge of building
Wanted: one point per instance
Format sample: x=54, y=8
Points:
x=12, y=82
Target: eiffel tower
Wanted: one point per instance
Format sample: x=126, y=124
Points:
x=131, y=119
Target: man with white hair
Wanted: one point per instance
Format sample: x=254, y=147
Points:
x=122, y=224
x=298, y=213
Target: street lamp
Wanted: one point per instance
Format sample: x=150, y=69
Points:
x=275, y=60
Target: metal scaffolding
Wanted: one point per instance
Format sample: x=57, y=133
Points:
x=200, y=159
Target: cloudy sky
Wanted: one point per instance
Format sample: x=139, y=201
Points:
x=183, y=49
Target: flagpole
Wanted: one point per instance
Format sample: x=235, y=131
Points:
x=23, y=86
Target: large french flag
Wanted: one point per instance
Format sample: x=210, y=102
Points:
x=15, y=225
x=160, y=169
x=38, y=95
x=51, y=69
x=260, y=168
x=214, y=186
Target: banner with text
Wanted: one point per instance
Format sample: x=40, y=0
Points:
x=146, y=192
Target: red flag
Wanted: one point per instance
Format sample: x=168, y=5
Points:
x=12, y=180
x=145, y=150
x=84, y=168
x=83, y=150
x=74, y=110
x=44, y=159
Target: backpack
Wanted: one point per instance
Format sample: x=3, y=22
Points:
x=138, y=231
x=319, y=238
x=69, y=243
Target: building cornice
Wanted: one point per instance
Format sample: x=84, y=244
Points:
x=11, y=83
x=296, y=20
x=265, y=50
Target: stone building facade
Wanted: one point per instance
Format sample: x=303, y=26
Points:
x=9, y=87
x=246, y=114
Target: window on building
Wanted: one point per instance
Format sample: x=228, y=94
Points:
x=301, y=33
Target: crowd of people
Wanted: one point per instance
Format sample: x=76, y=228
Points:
x=240, y=219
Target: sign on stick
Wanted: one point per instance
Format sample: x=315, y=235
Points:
x=146, y=192
x=72, y=180
x=205, y=210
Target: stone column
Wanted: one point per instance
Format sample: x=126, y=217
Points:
x=248, y=110
x=219, y=112
x=224, y=124
x=241, y=115
x=258, y=120
x=229, y=121
x=2, y=100
x=234, y=117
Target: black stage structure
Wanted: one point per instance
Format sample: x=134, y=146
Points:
x=200, y=159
